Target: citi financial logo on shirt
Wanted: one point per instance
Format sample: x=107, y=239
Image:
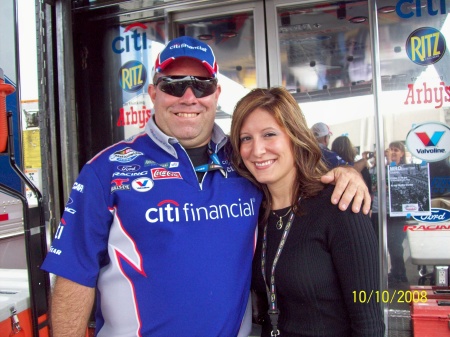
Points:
x=171, y=211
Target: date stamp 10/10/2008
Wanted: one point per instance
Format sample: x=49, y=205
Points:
x=397, y=296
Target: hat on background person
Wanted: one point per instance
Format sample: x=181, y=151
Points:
x=186, y=46
x=320, y=130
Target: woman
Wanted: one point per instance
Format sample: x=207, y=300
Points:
x=396, y=153
x=394, y=156
x=328, y=256
x=345, y=149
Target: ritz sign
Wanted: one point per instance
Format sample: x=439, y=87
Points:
x=425, y=46
x=132, y=76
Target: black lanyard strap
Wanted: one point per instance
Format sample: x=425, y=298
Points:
x=272, y=291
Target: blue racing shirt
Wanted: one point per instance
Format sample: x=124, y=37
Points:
x=169, y=256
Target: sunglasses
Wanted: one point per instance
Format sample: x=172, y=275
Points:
x=177, y=85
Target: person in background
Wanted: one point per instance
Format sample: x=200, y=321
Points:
x=311, y=258
x=161, y=228
x=343, y=146
x=395, y=233
x=393, y=155
x=322, y=133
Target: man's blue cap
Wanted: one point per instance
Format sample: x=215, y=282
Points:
x=186, y=46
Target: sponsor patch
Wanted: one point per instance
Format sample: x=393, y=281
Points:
x=119, y=185
x=162, y=173
x=125, y=155
x=130, y=174
x=165, y=165
x=129, y=168
x=142, y=184
x=78, y=187
x=172, y=211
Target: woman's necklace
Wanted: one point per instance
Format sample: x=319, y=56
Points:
x=280, y=223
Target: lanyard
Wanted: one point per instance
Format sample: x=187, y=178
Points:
x=271, y=293
x=215, y=165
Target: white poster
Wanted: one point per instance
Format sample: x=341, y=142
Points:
x=409, y=190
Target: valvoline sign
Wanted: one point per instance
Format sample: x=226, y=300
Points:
x=437, y=215
x=429, y=141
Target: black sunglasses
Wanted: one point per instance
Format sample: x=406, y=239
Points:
x=177, y=85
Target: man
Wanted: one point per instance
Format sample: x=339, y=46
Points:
x=162, y=228
x=322, y=133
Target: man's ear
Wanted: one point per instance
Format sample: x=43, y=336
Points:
x=152, y=92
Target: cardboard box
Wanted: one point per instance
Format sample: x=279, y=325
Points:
x=431, y=319
x=440, y=203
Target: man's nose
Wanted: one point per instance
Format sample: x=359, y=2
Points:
x=188, y=95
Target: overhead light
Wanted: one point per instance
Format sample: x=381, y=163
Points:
x=358, y=19
x=231, y=30
x=229, y=34
x=423, y=4
x=205, y=37
x=386, y=9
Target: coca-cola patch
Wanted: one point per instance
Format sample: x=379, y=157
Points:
x=162, y=173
